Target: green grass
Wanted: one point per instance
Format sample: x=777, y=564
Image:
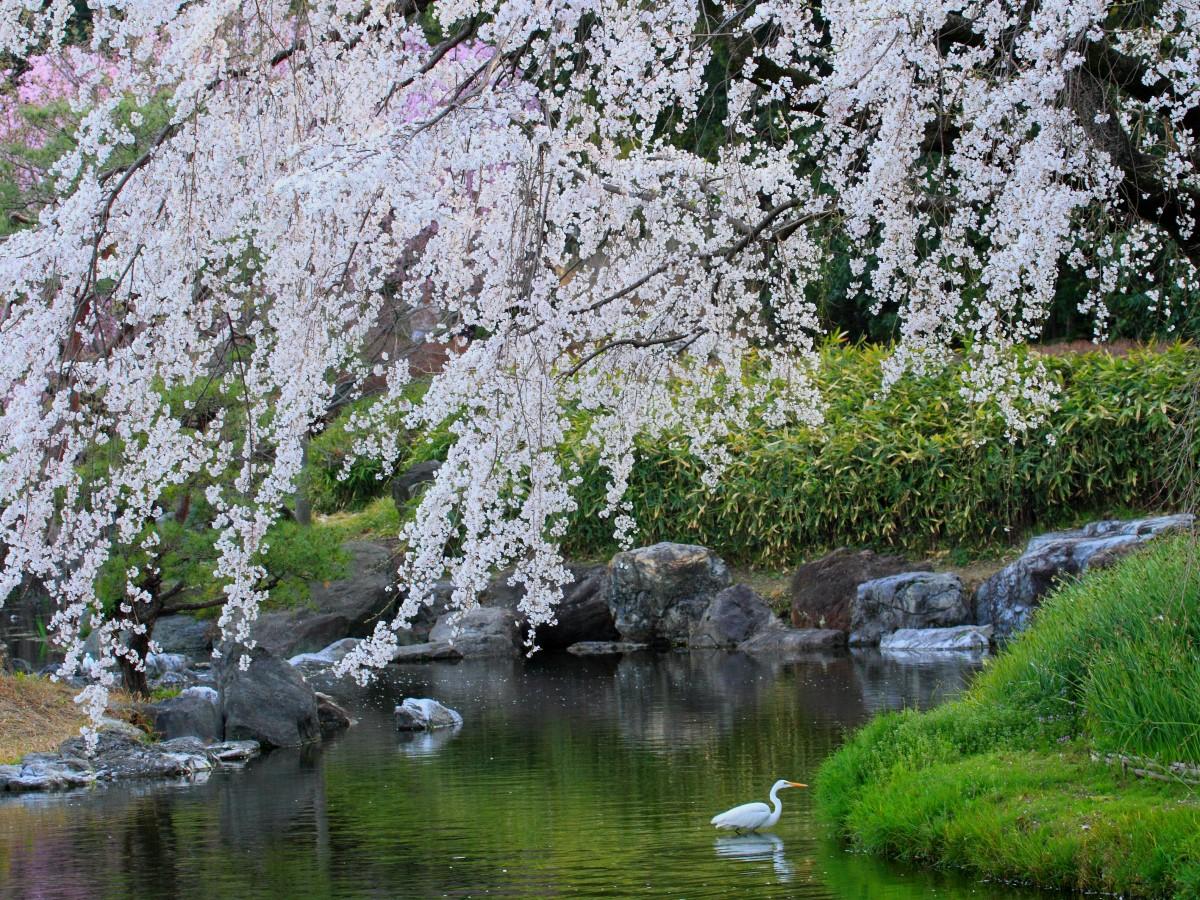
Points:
x=1002, y=782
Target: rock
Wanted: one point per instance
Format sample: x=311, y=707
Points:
x=158, y=664
x=209, y=694
x=184, y=634
x=331, y=716
x=658, y=594
x=480, y=631
x=233, y=751
x=823, y=590
x=1007, y=599
x=972, y=638
x=785, y=641
x=735, y=615
x=605, y=648
x=427, y=652
x=269, y=702
x=407, y=484
x=909, y=600
x=327, y=656
x=187, y=716
x=583, y=613
x=423, y=714
x=295, y=631
x=347, y=607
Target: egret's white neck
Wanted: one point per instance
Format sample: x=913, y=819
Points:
x=776, y=804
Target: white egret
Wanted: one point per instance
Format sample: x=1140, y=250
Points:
x=753, y=816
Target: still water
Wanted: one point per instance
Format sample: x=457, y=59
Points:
x=571, y=777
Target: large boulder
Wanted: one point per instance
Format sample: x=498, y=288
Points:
x=963, y=638
x=583, y=613
x=346, y=607
x=188, y=715
x=408, y=483
x=426, y=652
x=781, y=641
x=734, y=615
x=658, y=594
x=269, y=702
x=910, y=600
x=423, y=714
x=480, y=631
x=327, y=656
x=185, y=634
x=823, y=590
x=1007, y=599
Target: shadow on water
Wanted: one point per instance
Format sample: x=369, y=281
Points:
x=593, y=777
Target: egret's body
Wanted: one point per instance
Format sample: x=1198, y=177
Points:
x=755, y=816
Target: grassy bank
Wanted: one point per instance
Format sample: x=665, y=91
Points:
x=1010, y=781
x=36, y=715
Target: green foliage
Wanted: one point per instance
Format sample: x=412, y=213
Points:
x=1002, y=782
x=916, y=469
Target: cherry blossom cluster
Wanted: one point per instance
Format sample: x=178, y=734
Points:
x=524, y=172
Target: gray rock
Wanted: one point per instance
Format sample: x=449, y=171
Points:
x=408, y=483
x=423, y=714
x=910, y=600
x=232, y=751
x=346, y=607
x=208, y=693
x=333, y=718
x=605, y=648
x=735, y=615
x=1007, y=599
x=969, y=638
x=328, y=656
x=583, y=613
x=186, y=716
x=658, y=594
x=269, y=702
x=480, y=631
x=159, y=664
x=426, y=652
x=184, y=634
x=786, y=641
x=823, y=590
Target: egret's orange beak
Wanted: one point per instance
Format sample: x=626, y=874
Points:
x=796, y=784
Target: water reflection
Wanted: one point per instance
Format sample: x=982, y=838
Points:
x=426, y=743
x=572, y=777
x=755, y=848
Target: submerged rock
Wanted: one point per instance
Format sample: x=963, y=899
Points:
x=120, y=757
x=480, y=631
x=269, y=702
x=423, y=714
x=909, y=600
x=427, y=652
x=784, y=641
x=734, y=615
x=658, y=594
x=971, y=638
x=605, y=648
x=823, y=590
x=1007, y=599
x=332, y=717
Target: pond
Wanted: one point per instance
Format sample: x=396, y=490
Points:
x=570, y=777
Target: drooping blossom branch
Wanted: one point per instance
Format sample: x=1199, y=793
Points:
x=541, y=178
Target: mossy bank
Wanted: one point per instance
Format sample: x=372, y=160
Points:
x=1021, y=779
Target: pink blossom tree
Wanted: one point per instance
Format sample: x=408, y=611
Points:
x=525, y=167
